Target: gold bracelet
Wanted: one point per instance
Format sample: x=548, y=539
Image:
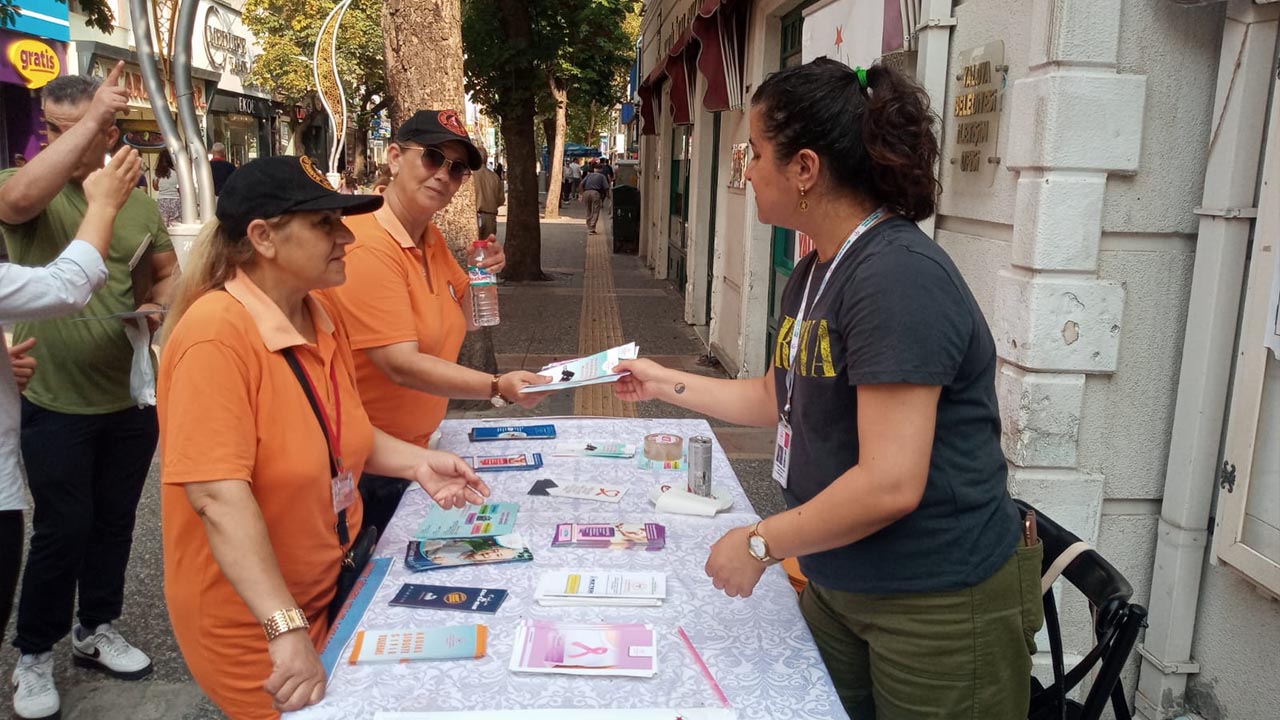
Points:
x=283, y=621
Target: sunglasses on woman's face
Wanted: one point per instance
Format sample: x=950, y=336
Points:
x=433, y=160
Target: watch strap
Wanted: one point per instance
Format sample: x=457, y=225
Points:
x=768, y=557
x=283, y=621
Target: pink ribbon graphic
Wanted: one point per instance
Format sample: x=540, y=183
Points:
x=588, y=650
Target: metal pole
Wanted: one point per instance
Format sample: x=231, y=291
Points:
x=187, y=106
x=160, y=106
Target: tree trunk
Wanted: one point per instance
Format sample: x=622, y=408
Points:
x=555, y=147
x=423, y=42
x=524, y=238
x=591, y=125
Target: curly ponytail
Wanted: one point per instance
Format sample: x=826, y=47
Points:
x=877, y=141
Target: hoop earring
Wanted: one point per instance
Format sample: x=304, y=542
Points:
x=804, y=203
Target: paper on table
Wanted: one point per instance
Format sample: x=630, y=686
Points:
x=668, y=498
x=588, y=370
x=587, y=491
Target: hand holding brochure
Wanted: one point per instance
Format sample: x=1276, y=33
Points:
x=585, y=649
x=588, y=370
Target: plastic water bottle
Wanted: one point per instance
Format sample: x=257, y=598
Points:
x=484, y=291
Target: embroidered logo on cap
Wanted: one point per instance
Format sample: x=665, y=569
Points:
x=449, y=121
x=313, y=172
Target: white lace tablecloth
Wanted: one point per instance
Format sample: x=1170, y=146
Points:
x=759, y=649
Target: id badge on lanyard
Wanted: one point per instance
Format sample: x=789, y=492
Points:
x=343, y=489
x=782, y=443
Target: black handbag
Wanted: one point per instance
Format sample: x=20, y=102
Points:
x=357, y=556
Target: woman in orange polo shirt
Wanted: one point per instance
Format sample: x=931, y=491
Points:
x=262, y=431
x=407, y=302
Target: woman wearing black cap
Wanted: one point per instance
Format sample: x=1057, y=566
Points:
x=262, y=433
x=922, y=596
x=407, y=302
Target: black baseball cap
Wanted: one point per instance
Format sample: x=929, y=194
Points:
x=272, y=186
x=437, y=127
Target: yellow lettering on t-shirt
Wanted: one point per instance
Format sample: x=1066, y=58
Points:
x=781, y=348
x=802, y=368
x=822, y=364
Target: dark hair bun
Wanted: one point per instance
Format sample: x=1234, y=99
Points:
x=878, y=141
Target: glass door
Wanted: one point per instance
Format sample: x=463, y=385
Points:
x=678, y=222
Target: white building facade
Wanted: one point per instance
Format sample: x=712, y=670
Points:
x=1109, y=192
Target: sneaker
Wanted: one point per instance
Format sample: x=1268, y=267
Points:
x=34, y=694
x=106, y=650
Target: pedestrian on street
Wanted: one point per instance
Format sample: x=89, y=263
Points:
x=87, y=444
x=166, y=186
x=62, y=287
x=575, y=178
x=595, y=188
x=407, y=302
x=923, y=594
x=501, y=173
x=566, y=184
x=382, y=179
x=220, y=167
x=258, y=504
x=489, y=197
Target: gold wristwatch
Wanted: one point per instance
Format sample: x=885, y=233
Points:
x=759, y=547
x=283, y=621
x=495, y=395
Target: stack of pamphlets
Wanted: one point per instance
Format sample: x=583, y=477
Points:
x=434, y=554
x=585, y=649
x=571, y=588
x=588, y=370
x=449, y=597
x=438, y=643
x=614, y=536
x=468, y=521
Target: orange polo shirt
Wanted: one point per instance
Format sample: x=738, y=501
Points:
x=397, y=293
x=231, y=409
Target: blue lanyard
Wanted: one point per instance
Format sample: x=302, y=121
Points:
x=794, y=349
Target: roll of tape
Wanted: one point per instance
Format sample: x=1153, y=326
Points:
x=663, y=447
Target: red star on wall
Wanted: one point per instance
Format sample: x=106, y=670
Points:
x=839, y=37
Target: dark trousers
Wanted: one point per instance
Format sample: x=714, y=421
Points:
x=381, y=496
x=11, y=533
x=86, y=474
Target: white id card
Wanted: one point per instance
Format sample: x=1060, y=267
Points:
x=782, y=452
x=343, y=488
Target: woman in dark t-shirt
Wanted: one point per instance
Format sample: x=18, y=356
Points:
x=922, y=596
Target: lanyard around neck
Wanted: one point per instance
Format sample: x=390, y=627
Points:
x=794, y=348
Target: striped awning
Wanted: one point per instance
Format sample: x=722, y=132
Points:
x=720, y=29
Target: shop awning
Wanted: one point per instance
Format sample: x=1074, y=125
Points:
x=650, y=92
x=681, y=66
x=720, y=29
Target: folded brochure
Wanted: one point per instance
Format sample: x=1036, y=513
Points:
x=585, y=649
x=599, y=587
x=614, y=536
x=588, y=370
x=449, y=597
x=438, y=643
x=495, y=463
x=468, y=521
x=434, y=554
x=512, y=432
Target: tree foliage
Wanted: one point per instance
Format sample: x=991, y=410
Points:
x=287, y=29
x=587, y=43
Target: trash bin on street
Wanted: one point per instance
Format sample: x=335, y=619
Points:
x=626, y=219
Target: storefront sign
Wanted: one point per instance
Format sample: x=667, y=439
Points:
x=137, y=89
x=34, y=61
x=979, y=86
x=226, y=50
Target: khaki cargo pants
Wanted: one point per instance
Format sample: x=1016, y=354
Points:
x=955, y=655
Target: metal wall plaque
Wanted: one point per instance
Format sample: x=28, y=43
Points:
x=975, y=110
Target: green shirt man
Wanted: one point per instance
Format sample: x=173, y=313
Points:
x=84, y=363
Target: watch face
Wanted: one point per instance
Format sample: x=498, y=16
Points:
x=498, y=401
x=756, y=545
